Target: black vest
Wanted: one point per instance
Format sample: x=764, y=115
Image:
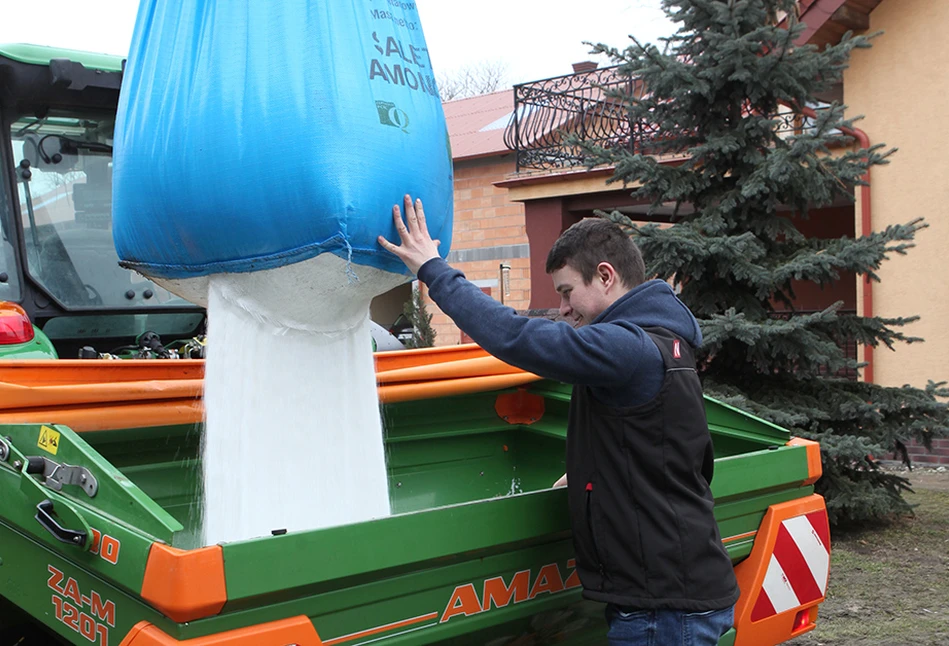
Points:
x=640, y=502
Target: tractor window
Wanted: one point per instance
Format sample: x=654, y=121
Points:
x=64, y=182
x=9, y=277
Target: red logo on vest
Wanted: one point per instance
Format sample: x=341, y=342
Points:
x=676, y=350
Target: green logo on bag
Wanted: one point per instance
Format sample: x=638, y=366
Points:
x=390, y=115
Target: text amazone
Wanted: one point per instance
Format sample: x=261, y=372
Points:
x=494, y=592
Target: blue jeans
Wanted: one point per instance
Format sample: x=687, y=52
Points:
x=667, y=627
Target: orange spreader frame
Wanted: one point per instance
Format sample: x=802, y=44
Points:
x=97, y=395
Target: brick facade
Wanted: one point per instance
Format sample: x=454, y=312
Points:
x=923, y=458
x=488, y=231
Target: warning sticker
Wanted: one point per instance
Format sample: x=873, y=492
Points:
x=49, y=440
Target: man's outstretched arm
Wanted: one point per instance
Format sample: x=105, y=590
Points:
x=598, y=355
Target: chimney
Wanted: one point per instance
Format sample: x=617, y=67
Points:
x=585, y=66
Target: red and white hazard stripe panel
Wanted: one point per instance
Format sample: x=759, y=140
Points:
x=800, y=563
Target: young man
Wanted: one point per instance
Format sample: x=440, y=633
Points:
x=639, y=453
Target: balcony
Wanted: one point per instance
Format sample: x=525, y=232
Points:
x=546, y=111
x=585, y=105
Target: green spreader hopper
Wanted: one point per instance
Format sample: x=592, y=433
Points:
x=98, y=535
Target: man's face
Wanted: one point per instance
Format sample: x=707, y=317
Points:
x=580, y=303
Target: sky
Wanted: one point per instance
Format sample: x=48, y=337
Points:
x=531, y=39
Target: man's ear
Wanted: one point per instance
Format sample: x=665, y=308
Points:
x=606, y=274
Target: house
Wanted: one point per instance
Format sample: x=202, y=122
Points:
x=899, y=89
x=540, y=187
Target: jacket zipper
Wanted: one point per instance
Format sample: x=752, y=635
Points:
x=596, y=548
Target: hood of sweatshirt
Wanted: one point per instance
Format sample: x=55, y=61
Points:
x=654, y=304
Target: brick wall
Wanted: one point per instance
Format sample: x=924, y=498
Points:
x=923, y=458
x=488, y=230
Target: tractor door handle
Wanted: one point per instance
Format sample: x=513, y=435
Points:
x=44, y=516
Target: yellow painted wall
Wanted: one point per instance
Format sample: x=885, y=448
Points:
x=901, y=85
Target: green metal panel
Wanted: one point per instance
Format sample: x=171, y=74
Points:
x=88, y=593
x=39, y=348
x=759, y=470
x=59, y=590
x=119, y=510
x=42, y=55
x=724, y=418
x=365, y=603
x=446, y=535
x=163, y=463
x=116, y=494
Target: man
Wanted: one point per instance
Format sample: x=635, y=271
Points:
x=639, y=453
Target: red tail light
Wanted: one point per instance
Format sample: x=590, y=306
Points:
x=802, y=620
x=15, y=326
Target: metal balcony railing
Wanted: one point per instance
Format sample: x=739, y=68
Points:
x=547, y=111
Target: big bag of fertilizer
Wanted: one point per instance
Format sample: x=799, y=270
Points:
x=259, y=149
x=253, y=135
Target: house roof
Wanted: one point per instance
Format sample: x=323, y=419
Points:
x=476, y=125
x=827, y=20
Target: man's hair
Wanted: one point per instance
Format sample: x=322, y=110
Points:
x=594, y=240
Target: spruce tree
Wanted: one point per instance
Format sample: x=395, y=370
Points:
x=416, y=311
x=719, y=96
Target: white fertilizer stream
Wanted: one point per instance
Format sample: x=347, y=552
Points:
x=293, y=437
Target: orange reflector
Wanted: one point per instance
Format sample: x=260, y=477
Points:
x=15, y=326
x=802, y=620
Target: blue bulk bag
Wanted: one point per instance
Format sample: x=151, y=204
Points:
x=252, y=135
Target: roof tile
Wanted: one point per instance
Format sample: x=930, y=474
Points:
x=476, y=125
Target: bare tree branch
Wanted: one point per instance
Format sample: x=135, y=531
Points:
x=473, y=80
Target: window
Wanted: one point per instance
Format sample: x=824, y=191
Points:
x=9, y=277
x=66, y=213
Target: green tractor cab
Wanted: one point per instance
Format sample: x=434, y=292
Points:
x=57, y=258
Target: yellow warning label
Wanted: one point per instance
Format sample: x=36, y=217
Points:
x=49, y=440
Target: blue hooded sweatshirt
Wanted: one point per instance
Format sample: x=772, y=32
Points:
x=613, y=355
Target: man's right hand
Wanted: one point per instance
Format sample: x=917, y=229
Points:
x=417, y=246
x=562, y=482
